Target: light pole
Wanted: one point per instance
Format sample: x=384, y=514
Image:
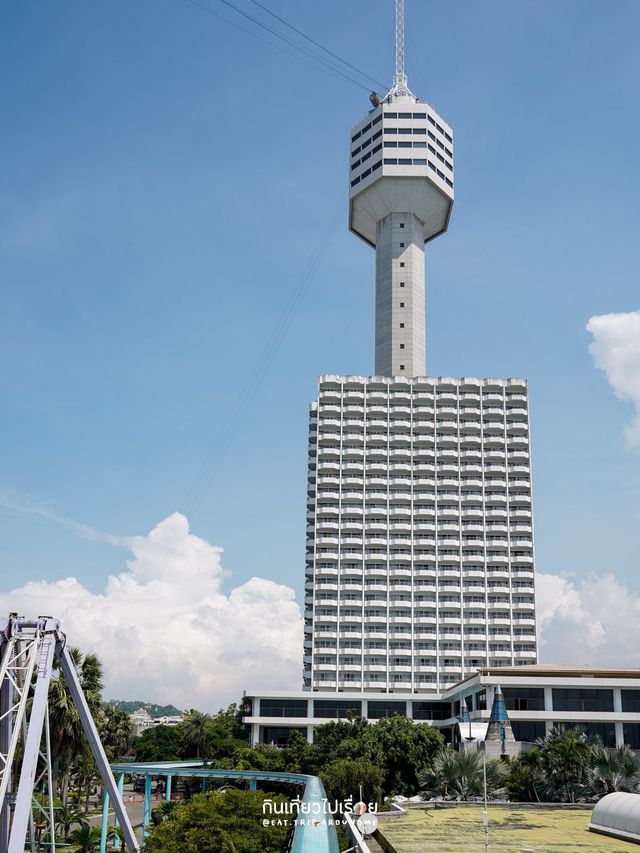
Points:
x=485, y=813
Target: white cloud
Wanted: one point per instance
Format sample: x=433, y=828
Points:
x=165, y=630
x=616, y=350
x=589, y=620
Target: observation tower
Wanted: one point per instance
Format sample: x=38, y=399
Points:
x=400, y=197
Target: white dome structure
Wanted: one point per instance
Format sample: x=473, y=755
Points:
x=618, y=815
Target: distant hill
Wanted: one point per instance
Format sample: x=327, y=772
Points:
x=151, y=708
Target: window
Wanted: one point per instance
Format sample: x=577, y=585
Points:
x=524, y=698
x=401, y=346
x=402, y=304
x=631, y=701
x=390, y=162
x=378, y=709
x=528, y=730
x=283, y=707
x=605, y=731
x=390, y=144
x=632, y=735
x=401, y=263
x=405, y=162
x=404, y=115
x=279, y=736
x=402, y=367
x=391, y=115
x=402, y=325
x=355, y=181
x=404, y=144
x=576, y=699
x=402, y=224
x=357, y=136
x=404, y=130
x=419, y=144
x=402, y=284
x=420, y=130
x=419, y=162
x=431, y=710
x=335, y=708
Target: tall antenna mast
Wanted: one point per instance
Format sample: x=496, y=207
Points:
x=400, y=89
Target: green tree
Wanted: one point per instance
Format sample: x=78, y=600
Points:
x=337, y=739
x=194, y=734
x=614, y=770
x=342, y=779
x=66, y=817
x=86, y=838
x=225, y=733
x=403, y=749
x=525, y=780
x=67, y=736
x=460, y=775
x=220, y=821
x=566, y=758
x=159, y=743
x=114, y=728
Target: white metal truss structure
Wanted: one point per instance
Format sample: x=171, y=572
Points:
x=400, y=88
x=27, y=815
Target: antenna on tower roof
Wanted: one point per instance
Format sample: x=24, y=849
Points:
x=400, y=89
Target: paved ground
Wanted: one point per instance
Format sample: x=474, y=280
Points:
x=134, y=804
x=460, y=830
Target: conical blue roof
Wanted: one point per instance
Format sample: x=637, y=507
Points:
x=499, y=708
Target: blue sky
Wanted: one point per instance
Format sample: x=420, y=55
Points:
x=165, y=180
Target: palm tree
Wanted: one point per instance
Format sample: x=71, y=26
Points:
x=114, y=727
x=566, y=757
x=66, y=729
x=86, y=838
x=65, y=817
x=193, y=731
x=460, y=775
x=614, y=770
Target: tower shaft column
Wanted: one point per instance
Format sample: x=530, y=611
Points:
x=400, y=296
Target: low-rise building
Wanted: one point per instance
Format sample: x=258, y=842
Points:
x=604, y=701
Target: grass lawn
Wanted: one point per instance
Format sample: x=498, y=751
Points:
x=460, y=830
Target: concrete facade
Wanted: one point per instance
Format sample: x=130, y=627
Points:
x=400, y=297
x=604, y=701
x=420, y=550
x=400, y=196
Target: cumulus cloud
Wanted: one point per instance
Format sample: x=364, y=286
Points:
x=616, y=350
x=166, y=631
x=588, y=620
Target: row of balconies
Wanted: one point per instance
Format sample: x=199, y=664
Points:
x=375, y=394
x=400, y=412
x=416, y=588
x=355, y=443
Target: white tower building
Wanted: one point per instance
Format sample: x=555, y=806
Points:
x=400, y=197
x=419, y=563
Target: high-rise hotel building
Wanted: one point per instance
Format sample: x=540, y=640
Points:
x=419, y=550
x=420, y=563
